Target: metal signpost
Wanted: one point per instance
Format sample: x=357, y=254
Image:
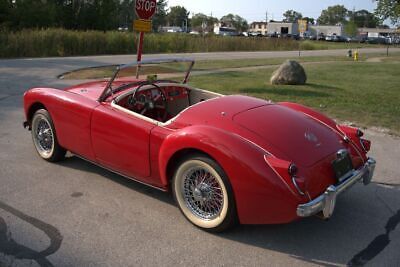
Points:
x=145, y=10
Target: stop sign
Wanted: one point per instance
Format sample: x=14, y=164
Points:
x=145, y=9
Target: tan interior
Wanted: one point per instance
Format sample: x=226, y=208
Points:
x=178, y=105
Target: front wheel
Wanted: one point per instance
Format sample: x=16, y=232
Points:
x=204, y=194
x=44, y=137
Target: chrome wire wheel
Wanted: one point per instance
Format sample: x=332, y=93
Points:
x=201, y=194
x=43, y=136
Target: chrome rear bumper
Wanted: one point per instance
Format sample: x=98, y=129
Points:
x=326, y=201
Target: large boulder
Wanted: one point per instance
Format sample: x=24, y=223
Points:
x=290, y=72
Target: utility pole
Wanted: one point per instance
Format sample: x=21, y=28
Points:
x=266, y=16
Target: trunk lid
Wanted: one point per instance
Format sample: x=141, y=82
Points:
x=297, y=136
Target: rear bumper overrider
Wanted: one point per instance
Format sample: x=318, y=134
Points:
x=325, y=203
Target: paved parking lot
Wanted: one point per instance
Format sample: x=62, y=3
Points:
x=76, y=214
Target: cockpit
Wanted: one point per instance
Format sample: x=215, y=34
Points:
x=157, y=91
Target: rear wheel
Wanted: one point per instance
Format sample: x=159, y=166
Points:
x=204, y=194
x=44, y=137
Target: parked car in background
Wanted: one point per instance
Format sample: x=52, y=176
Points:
x=376, y=40
x=311, y=37
x=321, y=37
x=226, y=31
x=272, y=35
x=254, y=34
x=123, y=28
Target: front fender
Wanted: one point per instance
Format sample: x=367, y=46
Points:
x=71, y=115
x=261, y=197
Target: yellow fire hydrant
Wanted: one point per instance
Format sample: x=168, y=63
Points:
x=356, y=55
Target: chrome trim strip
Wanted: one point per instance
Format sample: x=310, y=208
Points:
x=338, y=131
x=114, y=105
x=277, y=174
x=326, y=201
x=297, y=186
x=362, y=145
x=120, y=174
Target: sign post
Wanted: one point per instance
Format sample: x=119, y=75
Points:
x=145, y=10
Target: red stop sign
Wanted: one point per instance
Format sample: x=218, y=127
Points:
x=145, y=9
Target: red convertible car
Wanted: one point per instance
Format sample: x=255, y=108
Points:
x=226, y=159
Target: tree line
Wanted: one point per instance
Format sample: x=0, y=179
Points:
x=337, y=15
x=110, y=14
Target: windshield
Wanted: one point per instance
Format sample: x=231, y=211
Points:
x=172, y=70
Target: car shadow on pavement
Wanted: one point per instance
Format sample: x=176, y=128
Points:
x=86, y=166
x=359, y=230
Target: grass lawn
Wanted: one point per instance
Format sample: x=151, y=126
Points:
x=365, y=93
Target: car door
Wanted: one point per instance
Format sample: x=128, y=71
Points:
x=121, y=141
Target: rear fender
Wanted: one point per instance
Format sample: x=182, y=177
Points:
x=256, y=187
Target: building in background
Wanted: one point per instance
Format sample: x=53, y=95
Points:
x=278, y=28
x=377, y=32
x=325, y=30
x=258, y=28
x=303, y=27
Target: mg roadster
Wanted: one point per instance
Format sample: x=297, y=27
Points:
x=226, y=159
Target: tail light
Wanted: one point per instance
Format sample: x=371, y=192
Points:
x=366, y=144
x=287, y=171
x=355, y=135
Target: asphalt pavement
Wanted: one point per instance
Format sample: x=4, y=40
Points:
x=74, y=213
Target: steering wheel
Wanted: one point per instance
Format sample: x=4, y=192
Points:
x=146, y=104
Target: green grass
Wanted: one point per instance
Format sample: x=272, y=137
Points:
x=220, y=64
x=365, y=93
x=204, y=65
x=60, y=42
x=208, y=65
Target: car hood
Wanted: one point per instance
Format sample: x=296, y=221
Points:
x=91, y=90
x=280, y=130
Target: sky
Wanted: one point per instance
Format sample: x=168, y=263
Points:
x=255, y=10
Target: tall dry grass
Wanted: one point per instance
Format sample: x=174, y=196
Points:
x=60, y=42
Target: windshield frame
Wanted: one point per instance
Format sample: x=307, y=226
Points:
x=108, y=90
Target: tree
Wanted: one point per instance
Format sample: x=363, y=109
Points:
x=177, y=16
x=292, y=16
x=333, y=15
x=160, y=18
x=235, y=21
x=32, y=14
x=5, y=13
x=309, y=20
x=126, y=13
x=363, y=18
x=388, y=9
x=201, y=22
x=106, y=14
x=351, y=28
